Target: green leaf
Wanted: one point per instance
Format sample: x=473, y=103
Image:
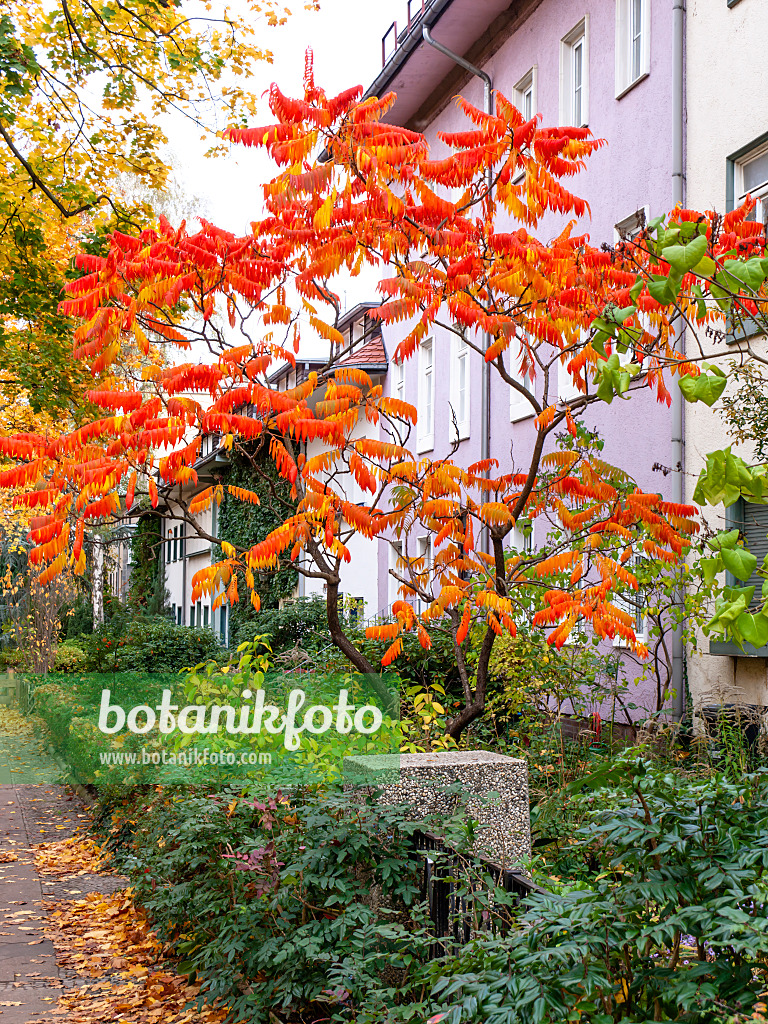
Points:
x=636, y=288
x=726, y=477
x=740, y=562
x=721, y=296
x=749, y=273
x=706, y=388
x=727, y=612
x=661, y=290
x=683, y=258
x=753, y=628
x=710, y=568
x=705, y=267
x=724, y=539
x=613, y=378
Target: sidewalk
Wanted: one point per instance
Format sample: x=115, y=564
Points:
x=33, y=809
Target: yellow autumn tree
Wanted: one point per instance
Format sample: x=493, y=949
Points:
x=84, y=87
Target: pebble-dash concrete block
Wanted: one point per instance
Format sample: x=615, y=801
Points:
x=421, y=780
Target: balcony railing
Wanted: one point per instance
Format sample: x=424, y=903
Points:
x=391, y=41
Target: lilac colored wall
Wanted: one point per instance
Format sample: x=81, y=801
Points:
x=632, y=171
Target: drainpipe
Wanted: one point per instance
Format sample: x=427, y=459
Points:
x=485, y=405
x=678, y=197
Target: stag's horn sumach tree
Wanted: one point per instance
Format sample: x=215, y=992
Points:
x=470, y=264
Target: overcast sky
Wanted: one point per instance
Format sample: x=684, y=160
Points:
x=345, y=36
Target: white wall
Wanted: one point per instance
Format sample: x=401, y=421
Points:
x=726, y=111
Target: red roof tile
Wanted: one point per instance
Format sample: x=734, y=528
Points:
x=371, y=354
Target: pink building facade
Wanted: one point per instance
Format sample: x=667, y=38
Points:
x=607, y=64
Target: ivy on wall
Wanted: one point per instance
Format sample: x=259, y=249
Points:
x=242, y=524
x=147, y=586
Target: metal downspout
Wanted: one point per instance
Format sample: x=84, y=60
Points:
x=678, y=198
x=485, y=407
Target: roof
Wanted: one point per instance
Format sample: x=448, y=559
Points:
x=372, y=356
x=354, y=314
x=422, y=77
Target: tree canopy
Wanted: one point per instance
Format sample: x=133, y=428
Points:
x=469, y=263
x=84, y=89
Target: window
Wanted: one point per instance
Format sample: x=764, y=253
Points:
x=178, y=615
x=522, y=539
x=629, y=228
x=424, y=550
x=519, y=406
x=566, y=386
x=574, y=75
x=175, y=543
x=395, y=554
x=751, y=178
x=206, y=615
x=747, y=174
x=752, y=521
x=426, y=406
x=633, y=603
x=398, y=381
x=223, y=626
x=633, y=39
x=626, y=231
x=525, y=94
x=459, y=419
x=168, y=547
x=525, y=99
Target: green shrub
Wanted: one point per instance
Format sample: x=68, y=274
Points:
x=77, y=620
x=70, y=657
x=157, y=645
x=148, y=645
x=417, y=667
x=673, y=924
x=9, y=658
x=304, y=907
x=301, y=624
x=69, y=706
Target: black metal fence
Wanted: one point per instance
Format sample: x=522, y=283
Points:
x=460, y=900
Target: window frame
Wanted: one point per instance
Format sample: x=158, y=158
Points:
x=629, y=228
x=398, y=380
x=761, y=192
x=527, y=84
x=393, y=585
x=735, y=518
x=425, y=549
x=579, y=34
x=519, y=407
x=460, y=353
x=733, y=163
x=631, y=606
x=426, y=438
x=567, y=391
x=625, y=82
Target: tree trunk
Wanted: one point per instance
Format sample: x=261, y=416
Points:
x=390, y=701
x=474, y=709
